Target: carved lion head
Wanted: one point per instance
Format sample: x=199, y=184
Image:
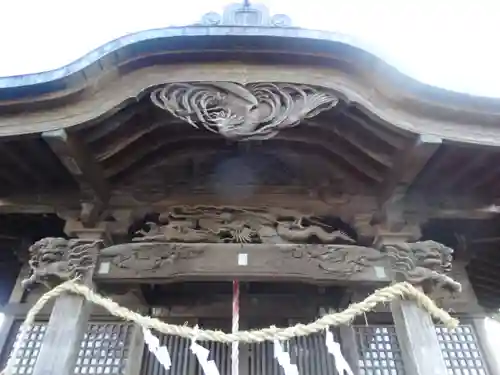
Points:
x=49, y=249
x=432, y=254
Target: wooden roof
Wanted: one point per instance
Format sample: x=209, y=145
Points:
x=90, y=131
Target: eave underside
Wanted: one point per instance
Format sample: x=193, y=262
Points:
x=141, y=151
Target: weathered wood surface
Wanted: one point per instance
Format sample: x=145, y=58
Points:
x=258, y=305
x=65, y=330
x=488, y=345
x=81, y=164
x=9, y=318
x=349, y=347
x=69, y=317
x=113, y=93
x=414, y=326
x=135, y=352
x=418, y=340
x=407, y=165
x=167, y=262
x=346, y=206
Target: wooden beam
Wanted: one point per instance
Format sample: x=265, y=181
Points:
x=457, y=178
x=168, y=262
x=344, y=205
x=20, y=310
x=418, y=340
x=67, y=324
x=84, y=168
x=407, y=165
x=255, y=305
x=9, y=153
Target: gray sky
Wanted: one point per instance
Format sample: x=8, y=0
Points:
x=448, y=43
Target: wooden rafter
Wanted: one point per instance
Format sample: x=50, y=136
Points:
x=391, y=138
x=13, y=156
x=477, y=161
x=407, y=165
x=81, y=164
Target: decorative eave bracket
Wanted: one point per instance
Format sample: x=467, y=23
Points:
x=243, y=111
x=78, y=160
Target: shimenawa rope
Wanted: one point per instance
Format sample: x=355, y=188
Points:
x=388, y=294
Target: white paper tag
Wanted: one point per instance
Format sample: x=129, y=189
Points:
x=160, y=352
x=333, y=348
x=242, y=259
x=380, y=272
x=208, y=366
x=104, y=267
x=283, y=359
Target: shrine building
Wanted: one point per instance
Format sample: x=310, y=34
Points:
x=167, y=166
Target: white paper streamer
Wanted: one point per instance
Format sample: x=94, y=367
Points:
x=201, y=353
x=283, y=359
x=160, y=352
x=334, y=349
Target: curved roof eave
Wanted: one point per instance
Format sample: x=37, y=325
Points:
x=429, y=107
x=130, y=46
x=151, y=41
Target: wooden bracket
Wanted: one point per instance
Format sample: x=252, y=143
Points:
x=407, y=165
x=84, y=168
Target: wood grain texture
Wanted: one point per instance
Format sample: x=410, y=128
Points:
x=61, y=343
x=418, y=340
x=450, y=124
x=165, y=263
x=79, y=162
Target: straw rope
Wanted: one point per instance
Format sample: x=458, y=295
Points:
x=380, y=296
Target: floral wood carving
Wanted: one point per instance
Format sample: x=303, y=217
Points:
x=342, y=261
x=239, y=225
x=424, y=263
x=243, y=112
x=59, y=259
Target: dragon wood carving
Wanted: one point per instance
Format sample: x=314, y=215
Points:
x=420, y=263
x=424, y=263
x=239, y=225
x=148, y=257
x=342, y=261
x=243, y=112
x=58, y=259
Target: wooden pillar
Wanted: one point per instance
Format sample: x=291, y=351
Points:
x=135, y=352
x=348, y=342
x=349, y=347
x=418, y=340
x=67, y=325
x=488, y=348
x=16, y=297
x=414, y=327
x=134, y=300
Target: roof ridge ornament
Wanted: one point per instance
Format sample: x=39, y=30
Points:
x=245, y=14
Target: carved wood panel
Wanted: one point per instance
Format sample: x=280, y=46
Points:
x=164, y=262
x=242, y=112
